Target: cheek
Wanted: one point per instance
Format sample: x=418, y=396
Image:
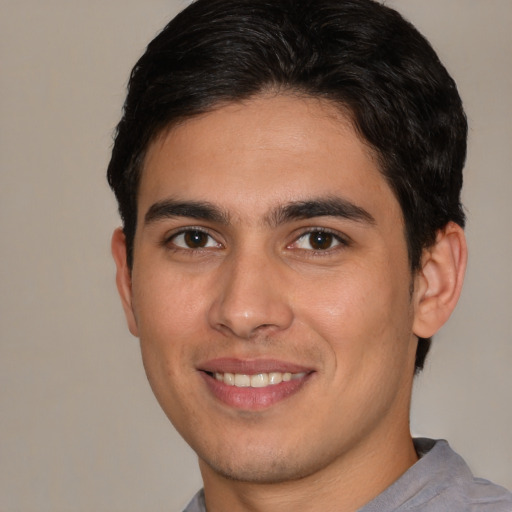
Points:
x=168, y=306
x=169, y=309
x=363, y=314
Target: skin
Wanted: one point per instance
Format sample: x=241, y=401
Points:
x=260, y=288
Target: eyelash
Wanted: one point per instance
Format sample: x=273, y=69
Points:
x=339, y=241
x=169, y=241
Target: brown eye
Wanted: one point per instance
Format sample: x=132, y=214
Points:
x=193, y=239
x=320, y=240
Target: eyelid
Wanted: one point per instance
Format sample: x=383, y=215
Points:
x=167, y=239
x=342, y=239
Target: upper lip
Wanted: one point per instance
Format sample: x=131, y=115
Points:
x=251, y=366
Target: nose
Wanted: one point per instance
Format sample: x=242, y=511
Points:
x=250, y=298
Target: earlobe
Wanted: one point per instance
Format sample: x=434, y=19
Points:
x=123, y=278
x=439, y=281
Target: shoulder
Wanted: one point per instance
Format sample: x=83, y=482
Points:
x=484, y=496
x=440, y=482
x=462, y=488
x=457, y=489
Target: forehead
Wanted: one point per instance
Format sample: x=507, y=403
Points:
x=254, y=155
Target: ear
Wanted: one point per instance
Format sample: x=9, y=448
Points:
x=439, y=282
x=124, y=278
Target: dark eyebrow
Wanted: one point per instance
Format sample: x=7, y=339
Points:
x=322, y=207
x=170, y=208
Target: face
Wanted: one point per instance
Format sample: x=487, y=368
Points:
x=271, y=290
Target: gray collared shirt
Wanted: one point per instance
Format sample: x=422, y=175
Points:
x=439, y=482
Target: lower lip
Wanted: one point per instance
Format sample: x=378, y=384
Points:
x=253, y=399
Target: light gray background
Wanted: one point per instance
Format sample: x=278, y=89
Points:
x=79, y=427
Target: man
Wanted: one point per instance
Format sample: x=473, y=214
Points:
x=288, y=173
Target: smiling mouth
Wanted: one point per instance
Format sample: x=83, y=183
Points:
x=253, y=384
x=259, y=380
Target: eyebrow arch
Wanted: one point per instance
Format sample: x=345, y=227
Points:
x=171, y=208
x=321, y=207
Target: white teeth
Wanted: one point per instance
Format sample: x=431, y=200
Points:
x=275, y=378
x=242, y=381
x=259, y=380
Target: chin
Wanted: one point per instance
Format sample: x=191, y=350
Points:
x=260, y=467
x=255, y=473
